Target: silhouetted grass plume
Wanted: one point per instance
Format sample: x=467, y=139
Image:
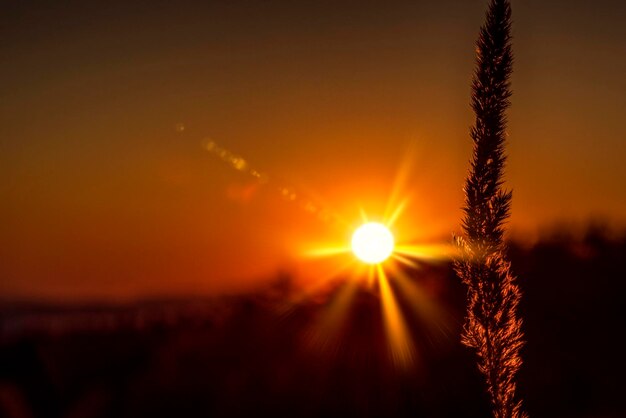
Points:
x=492, y=326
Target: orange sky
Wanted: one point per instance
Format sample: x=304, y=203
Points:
x=102, y=196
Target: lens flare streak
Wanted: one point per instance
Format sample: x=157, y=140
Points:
x=301, y=199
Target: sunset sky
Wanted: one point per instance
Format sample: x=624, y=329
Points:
x=108, y=190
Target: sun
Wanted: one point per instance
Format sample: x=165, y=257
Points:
x=372, y=243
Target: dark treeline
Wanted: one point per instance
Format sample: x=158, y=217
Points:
x=261, y=355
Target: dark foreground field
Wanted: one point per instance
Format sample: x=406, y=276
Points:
x=258, y=355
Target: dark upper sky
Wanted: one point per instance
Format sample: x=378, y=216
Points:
x=100, y=182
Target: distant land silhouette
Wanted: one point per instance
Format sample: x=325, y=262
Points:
x=256, y=354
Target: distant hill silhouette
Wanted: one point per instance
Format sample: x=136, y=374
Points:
x=257, y=354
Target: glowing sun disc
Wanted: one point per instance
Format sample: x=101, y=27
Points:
x=372, y=242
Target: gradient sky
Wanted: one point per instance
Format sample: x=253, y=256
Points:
x=104, y=196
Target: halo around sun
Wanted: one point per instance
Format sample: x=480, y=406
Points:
x=372, y=243
x=377, y=261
